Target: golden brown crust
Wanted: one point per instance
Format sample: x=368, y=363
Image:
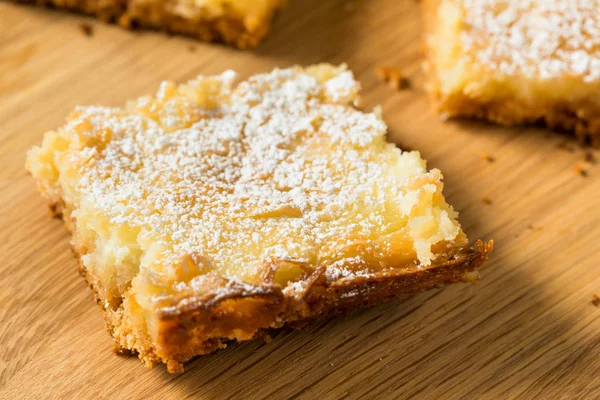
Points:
x=203, y=325
x=580, y=119
x=511, y=112
x=230, y=29
x=350, y=293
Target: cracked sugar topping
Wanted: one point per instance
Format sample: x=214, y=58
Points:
x=281, y=167
x=536, y=38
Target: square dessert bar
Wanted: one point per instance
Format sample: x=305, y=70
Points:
x=517, y=61
x=240, y=23
x=213, y=211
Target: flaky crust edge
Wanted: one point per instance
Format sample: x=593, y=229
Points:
x=203, y=325
x=507, y=112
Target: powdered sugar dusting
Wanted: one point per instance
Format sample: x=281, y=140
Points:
x=280, y=167
x=234, y=285
x=542, y=39
x=342, y=88
x=347, y=268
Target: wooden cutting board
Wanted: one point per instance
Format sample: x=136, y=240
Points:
x=527, y=330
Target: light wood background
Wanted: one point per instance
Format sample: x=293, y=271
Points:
x=527, y=330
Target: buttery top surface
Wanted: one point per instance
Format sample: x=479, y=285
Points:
x=281, y=168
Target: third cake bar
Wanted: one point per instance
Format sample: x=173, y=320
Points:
x=517, y=61
x=213, y=211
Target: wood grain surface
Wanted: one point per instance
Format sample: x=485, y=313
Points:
x=527, y=330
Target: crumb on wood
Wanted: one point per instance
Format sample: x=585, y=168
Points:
x=86, y=29
x=581, y=171
x=267, y=338
x=596, y=300
x=588, y=157
x=486, y=200
x=534, y=228
x=566, y=146
x=174, y=367
x=392, y=76
x=192, y=48
x=488, y=157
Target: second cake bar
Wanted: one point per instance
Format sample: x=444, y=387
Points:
x=517, y=62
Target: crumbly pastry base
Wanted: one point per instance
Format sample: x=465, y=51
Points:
x=229, y=29
x=514, y=113
x=205, y=326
